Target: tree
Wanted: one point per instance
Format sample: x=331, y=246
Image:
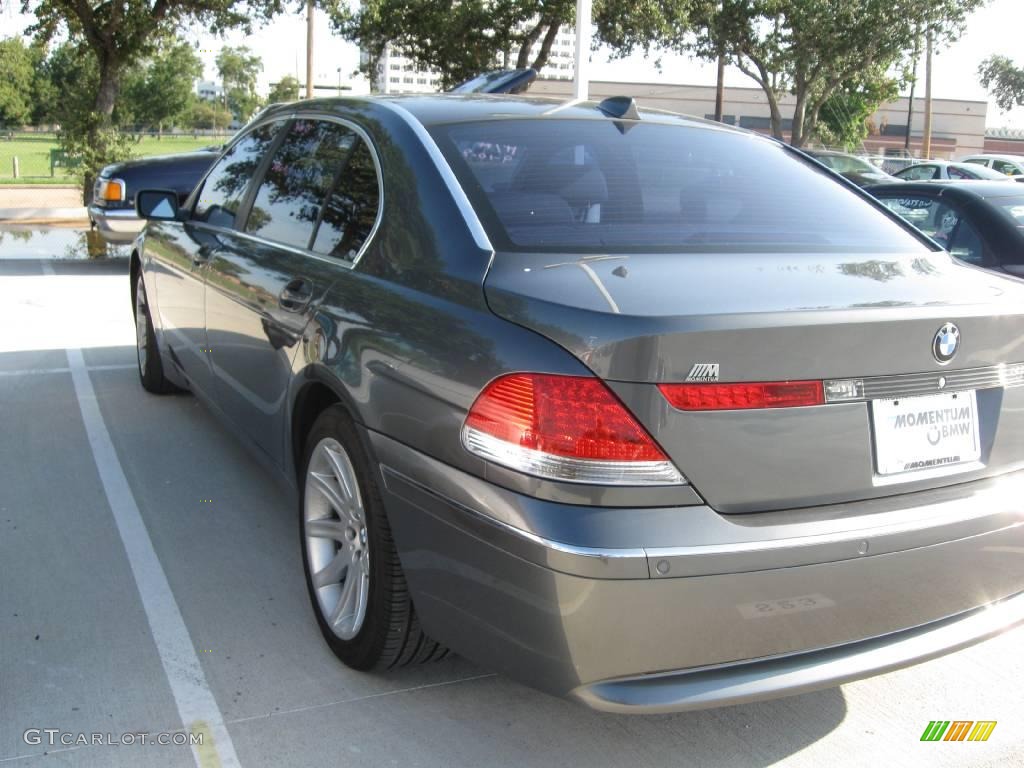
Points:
x=239, y=67
x=16, y=82
x=804, y=48
x=115, y=35
x=461, y=38
x=160, y=90
x=286, y=89
x=842, y=120
x=206, y=114
x=1003, y=80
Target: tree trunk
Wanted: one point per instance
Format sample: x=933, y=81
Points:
x=523, y=60
x=720, y=89
x=545, y=46
x=797, y=135
x=106, y=94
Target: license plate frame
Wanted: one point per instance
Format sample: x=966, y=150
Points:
x=936, y=433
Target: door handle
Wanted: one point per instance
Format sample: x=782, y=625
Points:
x=295, y=296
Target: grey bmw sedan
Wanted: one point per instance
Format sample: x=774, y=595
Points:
x=638, y=409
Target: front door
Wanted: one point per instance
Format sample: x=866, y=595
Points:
x=264, y=283
x=182, y=254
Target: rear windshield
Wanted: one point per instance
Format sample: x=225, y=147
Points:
x=1011, y=207
x=597, y=185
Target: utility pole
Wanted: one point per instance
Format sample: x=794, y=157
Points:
x=310, y=15
x=913, y=84
x=581, y=83
x=926, y=141
x=720, y=88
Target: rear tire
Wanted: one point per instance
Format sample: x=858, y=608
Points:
x=355, y=581
x=151, y=369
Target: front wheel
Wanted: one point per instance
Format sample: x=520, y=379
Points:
x=353, y=575
x=151, y=370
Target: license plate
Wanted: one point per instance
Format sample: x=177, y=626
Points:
x=925, y=433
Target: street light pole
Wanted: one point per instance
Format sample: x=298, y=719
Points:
x=310, y=16
x=581, y=83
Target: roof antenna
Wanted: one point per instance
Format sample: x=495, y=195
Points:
x=620, y=107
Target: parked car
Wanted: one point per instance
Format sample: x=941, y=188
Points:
x=640, y=410
x=942, y=169
x=112, y=210
x=1008, y=165
x=978, y=222
x=859, y=170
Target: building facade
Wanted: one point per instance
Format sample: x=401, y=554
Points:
x=958, y=127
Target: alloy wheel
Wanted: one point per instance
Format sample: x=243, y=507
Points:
x=337, y=551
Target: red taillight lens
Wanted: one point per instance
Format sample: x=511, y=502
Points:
x=564, y=427
x=750, y=394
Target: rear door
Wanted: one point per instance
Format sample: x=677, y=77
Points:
x=265, y=281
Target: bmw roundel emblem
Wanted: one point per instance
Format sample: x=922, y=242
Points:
x=946, y=343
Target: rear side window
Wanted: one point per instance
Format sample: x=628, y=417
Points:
x=934, y=218
x=351, y=209
x=303, y=169
x=596, y=185
x=1006, y=168
x=224, y=187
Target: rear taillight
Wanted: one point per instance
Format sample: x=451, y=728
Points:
x=567, y=428
x=748, y=394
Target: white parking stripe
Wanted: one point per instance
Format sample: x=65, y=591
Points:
x=38, y=371
x=196, y=703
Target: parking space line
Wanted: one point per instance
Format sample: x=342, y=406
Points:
x=40, y=371
x=196, y=704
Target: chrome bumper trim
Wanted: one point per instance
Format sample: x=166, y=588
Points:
x=932, y=382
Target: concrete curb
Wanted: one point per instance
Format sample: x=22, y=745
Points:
x=37, y=215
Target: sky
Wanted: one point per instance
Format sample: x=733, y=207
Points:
x=282, y=46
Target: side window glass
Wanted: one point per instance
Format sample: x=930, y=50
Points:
x=224, y=188
x=966, y=244
x=301, y=173
x=976, y=161
x=935, y=219
x=956, y=173
x=351, y=209
x=1008, y=168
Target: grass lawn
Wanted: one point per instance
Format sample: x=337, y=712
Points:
x=33, y=153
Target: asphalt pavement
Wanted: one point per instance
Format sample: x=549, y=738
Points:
x=151, y=583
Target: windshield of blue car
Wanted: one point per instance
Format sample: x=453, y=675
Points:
x=598, y=185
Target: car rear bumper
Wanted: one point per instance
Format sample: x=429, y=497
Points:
x=117, y=225
x=696, y=609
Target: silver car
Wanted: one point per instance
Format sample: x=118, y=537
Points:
x=641, y=410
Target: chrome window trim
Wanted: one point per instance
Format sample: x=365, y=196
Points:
x=447, y=175
x=334, y=260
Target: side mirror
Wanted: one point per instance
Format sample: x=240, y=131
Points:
x=157, y=204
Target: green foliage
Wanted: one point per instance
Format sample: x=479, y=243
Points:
x=810, y=48
x=239, y=67
x=286, y=89
x=159, y=90
x=207, y=115
x=843, y=118
x=16, y=82
x=1003, y=80
x=458, y=38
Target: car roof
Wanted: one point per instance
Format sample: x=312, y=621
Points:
x=957, y=189
x=443, y=108
x=1017, y=158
